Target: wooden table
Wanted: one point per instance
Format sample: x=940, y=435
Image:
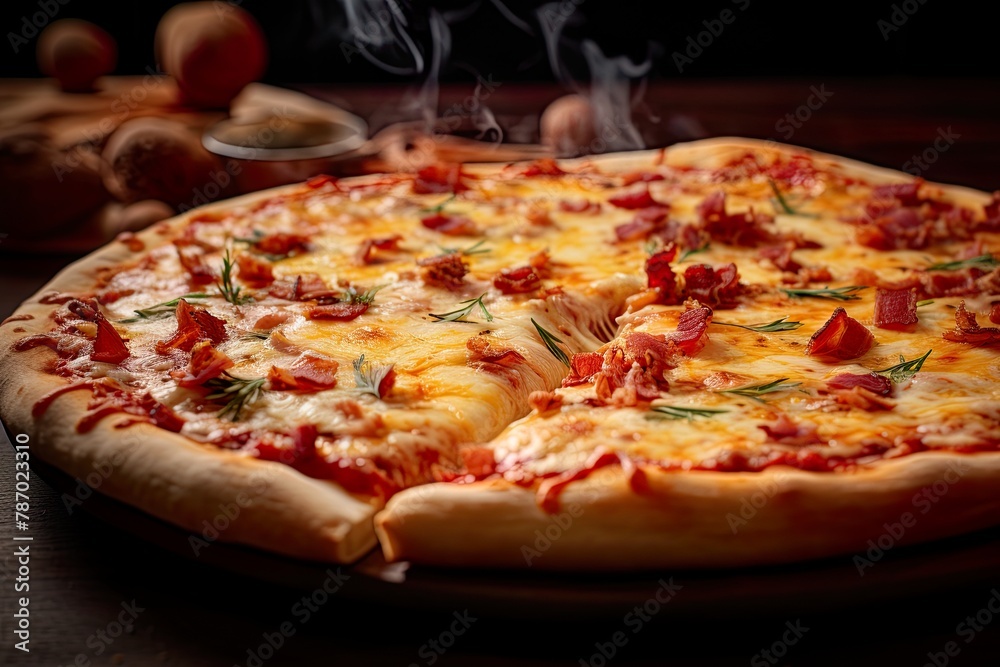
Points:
x=86, y=575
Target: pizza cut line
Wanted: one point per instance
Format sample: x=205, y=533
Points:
x=443, y=362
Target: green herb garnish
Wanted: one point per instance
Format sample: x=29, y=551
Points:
x=351, y=295
x=230, y=292
x=473, y=249
x=240, y=392
x=368, y=376
x=904, y=370
x=165, y=309
x=677, y=412
x=981, y=262
x=778, y=325
x=784, y=205
x=551, y=343
x=693, y=251
x=439, y=207
x=839, y=293
x=460, y=314
x=757, y=390
x=925, y=302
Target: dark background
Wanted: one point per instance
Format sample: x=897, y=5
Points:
x=307, y=37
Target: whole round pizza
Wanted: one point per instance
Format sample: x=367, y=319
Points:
x=719, y=354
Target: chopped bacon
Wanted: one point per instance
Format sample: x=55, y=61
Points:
x=193, y=325
x=206, y=363
x=660, y=277
x=109, y=346
x=306, y=283
x=281, y=243
x=583, y=366
x=270, y=320
x=76, y=309
x=164, y=417
x=873, y=382
x=482, y=351
x=645, y=222
x=905, y=193
x=641, y=177
x=191, y=259
x=542, y=167
x=478, y=461
x=540, y=262
x=740, y=229
x=863, y=399
x=718, y=288
x=842, y=337
x=967, y=329
x=446, y=271
x=543, y=401
x=787, y=432
x=896, y=309
x=308, y=373
x=443, y=177
x=343, y=311
x=519, y=280
x=781, y=256
x=636, y=200
x=452, y=225
x=691, y=334
x=580, y=206
x=254, y=271
x=991, y=211
x=995, y=313
x=369, y=246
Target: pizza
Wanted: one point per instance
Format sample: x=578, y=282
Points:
x=723, y=353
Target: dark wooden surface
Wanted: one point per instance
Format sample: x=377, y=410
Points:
x=83, y=570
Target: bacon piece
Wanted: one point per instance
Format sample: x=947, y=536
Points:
x=482, y=351
x=995, y=313
x=660, y=277
x=967, y=329
x=191, y=260
x=842, y=337
x=442, y=177
x=344, y=311
x=270, y=320
x=308, y=373
x=479, y=462
x=542, y=167
x=873, y=382
x=781, y=256
x=787, y=432
x=896, y=229
x=109, y=346
x=896, y=309
x=540, y=262
x=653, y=353
x=164, y=417
x=519, y=280
x=580, y=206
x=281, y=243
x=206, y=363
x=905, y=193
x=306, y=283
x=452, y=225
x=446, y=271
x=369, y=246
x=544, y=401
x=645, y=222
x=739, y=229
x=193, y=325
x=254, y=271
x=636, y=200
x=863, y=399
x=692, y=327
x=88, y=311
x=583, y=366
x=641, y=177
x=718, y=288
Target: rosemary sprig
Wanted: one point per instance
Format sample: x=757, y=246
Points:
x=252, y=240
x=755, y=391
x=473, y=249
x=551, y=343
x=165, y=309
x=925, y=302
x=256, y=335
x=368, y=376
x=439, y=207
x=783, y=204
x=839, y=293
x=231, y=293
x=981, y=262
x=694, y=251
x=678, y=412
x=778, y=325
x=904, y=370
x=351, y=295
x=460, y=314
x=240, y=392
